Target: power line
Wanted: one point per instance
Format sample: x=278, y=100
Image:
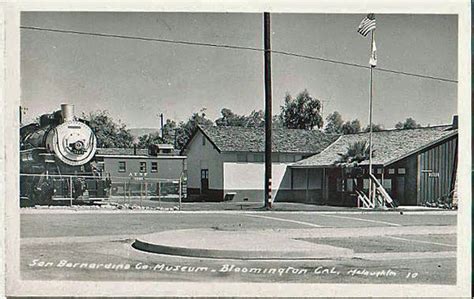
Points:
x=213, y=45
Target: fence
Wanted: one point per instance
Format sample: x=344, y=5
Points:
x=134, y=191
x=149, y=192
x=52, y=187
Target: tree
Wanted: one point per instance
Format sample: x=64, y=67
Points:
x=355, y=154
x=334, y=123
x=108, y=132
x=302, y=112
x=186, y=129
x=409, y=123
x=277, y=122
x=229, y=118
x=146, y=140
x=375, y=128
x=169, y=131
x=351, y=127
x=255, y=119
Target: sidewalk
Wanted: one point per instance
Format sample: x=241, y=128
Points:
x=153, y=206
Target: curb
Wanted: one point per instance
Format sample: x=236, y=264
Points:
x=234, y=254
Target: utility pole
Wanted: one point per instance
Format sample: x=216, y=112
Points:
x=22, y=111
x=323, y=103
x=268, y=110
x=161, y=122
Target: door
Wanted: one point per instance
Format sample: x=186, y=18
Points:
x=399, y=193
x=204, y=180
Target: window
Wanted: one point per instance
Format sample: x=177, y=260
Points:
x=258, y=157
x=142, y=167
x=401, y=170
x=391, y=171
x=340, y=185
x=298, y=179
x=387, y=184
x=366, y=184
x=154, y=166
x=241, y=157
x=122, y=166
x=379, y=170
x=203, y=140
x=204, y=173
x=287, y=158
x=350, y=185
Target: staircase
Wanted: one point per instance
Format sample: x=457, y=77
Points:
x=380, y=196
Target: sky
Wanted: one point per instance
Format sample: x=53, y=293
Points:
x=135, y=81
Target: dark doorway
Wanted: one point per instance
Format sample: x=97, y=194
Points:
x=204, y=181
x=400, y=191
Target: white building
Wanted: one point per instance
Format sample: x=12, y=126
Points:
x=223, y=160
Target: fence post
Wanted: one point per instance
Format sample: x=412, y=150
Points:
x=124, y=191
x=130, y=192
x=159, y=194
x=141, y=192
x=146, y=189
x=180, y=193
x=70, y=191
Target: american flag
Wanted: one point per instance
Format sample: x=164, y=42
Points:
x=367, y=24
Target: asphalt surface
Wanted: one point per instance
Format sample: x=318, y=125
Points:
x=64, y=245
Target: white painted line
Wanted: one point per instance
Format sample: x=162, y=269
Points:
x=361, y=219
x=420, y=241
x=284, y=220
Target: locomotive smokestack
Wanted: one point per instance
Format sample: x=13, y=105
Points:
x=67, y=112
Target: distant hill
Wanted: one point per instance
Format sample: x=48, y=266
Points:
x=137, y=132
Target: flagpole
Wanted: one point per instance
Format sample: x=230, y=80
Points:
x=370, y=122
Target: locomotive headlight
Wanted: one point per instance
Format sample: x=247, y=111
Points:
x=77, y=147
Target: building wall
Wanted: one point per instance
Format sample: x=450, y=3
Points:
x=246, y=180
x=203, y=156
x=435, y=171
x=398, y=179
x=407, y=196
x=234, y=172
x=168, y=167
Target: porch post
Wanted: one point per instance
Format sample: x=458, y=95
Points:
x=307, y=185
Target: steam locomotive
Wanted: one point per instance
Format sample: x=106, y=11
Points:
x=57, y=160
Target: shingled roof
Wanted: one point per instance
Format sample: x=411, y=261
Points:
x=240, y=139
x=389, y=146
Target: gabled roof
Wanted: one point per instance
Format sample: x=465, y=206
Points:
x=240, y=139
x=389, y=146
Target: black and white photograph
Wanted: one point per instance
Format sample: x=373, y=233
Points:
x=243, y=148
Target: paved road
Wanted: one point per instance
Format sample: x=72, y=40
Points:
x=97, y=246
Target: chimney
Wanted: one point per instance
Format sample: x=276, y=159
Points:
x=67, y=112
x=455, y=122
